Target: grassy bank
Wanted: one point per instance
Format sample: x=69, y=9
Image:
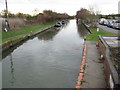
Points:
x=94, y=34
x=15, y=34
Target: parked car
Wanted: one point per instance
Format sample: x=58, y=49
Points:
x=110, y=24
x=59, y=24
x=101, y=21
x=106, y=22
x=116, y=25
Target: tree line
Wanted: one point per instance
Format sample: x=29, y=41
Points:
x=41, y=18
x=87, y=16
x=21, y=20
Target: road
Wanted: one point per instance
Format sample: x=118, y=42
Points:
x=109, y=29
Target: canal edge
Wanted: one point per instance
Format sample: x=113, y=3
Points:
x=82, y=68
x=85, y=25
x=9, y=44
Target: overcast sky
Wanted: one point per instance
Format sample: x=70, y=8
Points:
x=62, y=6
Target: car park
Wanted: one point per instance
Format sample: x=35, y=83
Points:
x=112, y=23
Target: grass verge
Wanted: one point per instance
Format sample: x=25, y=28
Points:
x=94, y=34
x=16, y=34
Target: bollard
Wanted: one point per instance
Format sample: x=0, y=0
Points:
x=97, y=29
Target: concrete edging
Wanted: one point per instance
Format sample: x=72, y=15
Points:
x=87, y=27
x=82, y=68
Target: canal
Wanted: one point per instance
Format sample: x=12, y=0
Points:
x=49, y=60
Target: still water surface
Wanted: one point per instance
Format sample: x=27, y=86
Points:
x=50, y=60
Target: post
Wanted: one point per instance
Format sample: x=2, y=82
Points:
x=6, y=9
x=6, y=16
x=97, y=29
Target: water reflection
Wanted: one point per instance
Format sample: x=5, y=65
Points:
x=11, y=49
x=65, y=24
x=82, y=30
x=12, y=70
x=0, y=75
x=48, y=35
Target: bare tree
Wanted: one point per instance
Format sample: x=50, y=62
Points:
x=89, y=16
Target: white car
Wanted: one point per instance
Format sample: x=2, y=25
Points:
x=59, y=24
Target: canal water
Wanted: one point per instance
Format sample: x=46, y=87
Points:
x=49, y=60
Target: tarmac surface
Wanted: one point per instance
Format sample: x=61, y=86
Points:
x=94, y=74
x=109, y=29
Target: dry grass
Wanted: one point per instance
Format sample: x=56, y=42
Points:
x=16, y=23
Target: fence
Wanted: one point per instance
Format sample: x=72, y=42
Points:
x=111, y=73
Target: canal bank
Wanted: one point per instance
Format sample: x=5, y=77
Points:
x=91, y=72
x=82, y=68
